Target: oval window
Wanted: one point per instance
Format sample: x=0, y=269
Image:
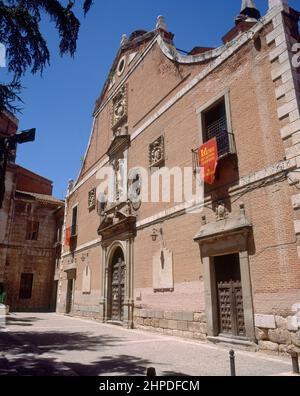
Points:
x=121, y=66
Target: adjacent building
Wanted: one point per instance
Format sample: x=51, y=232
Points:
x=225, y=267
x=29, y=238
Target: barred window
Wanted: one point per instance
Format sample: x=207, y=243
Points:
x=215, y=126
x=32, y=231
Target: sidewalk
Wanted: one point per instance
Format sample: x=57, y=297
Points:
x=50, y=344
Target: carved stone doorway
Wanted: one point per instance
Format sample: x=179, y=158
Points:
x=117, y=286
x=71, y=278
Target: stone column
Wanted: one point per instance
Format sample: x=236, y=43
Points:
x=128, y=306
x=106, y=286
x=103, y=283
x=210, y=295
x=131, y=284
x=247, y=295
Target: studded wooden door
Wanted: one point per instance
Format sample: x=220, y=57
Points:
x=118, y=290
x=231, y=310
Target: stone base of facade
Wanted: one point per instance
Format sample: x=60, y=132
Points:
x=86, y=312
x=192, y=325
x=282, y=338
x=180, y=324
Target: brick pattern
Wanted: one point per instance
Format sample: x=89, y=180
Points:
x=263, y=102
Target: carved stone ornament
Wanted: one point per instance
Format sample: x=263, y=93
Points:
x=157, y=152
x=119, y=110
x=221, y=211
x=92, y=199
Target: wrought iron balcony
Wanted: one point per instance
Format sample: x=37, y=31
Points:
x=74, y=230
x=219, y=130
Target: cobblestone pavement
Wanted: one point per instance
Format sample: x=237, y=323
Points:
x=51, y=344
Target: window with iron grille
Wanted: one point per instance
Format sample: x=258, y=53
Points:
x=74, y=221
x=26, y=283
x=215, y=125
x=32, y=231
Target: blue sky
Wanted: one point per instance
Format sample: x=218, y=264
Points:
x=60, y=103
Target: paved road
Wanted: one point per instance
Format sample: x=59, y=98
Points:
x=50, y=344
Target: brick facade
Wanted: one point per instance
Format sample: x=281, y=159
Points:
x=167, y=94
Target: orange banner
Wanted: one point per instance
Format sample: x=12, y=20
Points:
x=68, y=236
x=208, y=160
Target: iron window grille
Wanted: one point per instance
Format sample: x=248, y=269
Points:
x=219, y=130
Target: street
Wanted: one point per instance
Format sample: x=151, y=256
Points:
x=51, y=344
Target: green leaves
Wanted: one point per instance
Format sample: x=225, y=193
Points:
x=9, y=95
x=26, y=47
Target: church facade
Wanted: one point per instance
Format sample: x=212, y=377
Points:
x=150, y=240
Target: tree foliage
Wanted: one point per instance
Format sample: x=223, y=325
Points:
x=26, y=47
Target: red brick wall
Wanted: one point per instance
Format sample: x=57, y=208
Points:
x=30, y=182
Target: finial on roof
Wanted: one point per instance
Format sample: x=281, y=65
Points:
x=249, y=12
x=161, y=23
x=70, y=185
x=124, y=40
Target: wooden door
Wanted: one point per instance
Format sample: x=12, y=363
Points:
x=231, y=310
x=118, y=290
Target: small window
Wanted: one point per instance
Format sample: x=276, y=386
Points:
x=26, y=286
x=74, y=221
x=59, y=232
x=32, y=231
x=215, y=125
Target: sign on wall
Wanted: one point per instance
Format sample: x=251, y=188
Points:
x=68, y=236
x=208, y=160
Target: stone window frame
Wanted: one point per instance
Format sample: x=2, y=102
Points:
x=223, y=95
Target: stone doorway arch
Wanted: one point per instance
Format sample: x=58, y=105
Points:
x=117, y=283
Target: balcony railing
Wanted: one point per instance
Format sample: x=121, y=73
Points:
x=74, y=230
x=219, y=130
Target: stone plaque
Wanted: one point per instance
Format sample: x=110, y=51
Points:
x=86, y=280
x=163, y=279
x=265, y=321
